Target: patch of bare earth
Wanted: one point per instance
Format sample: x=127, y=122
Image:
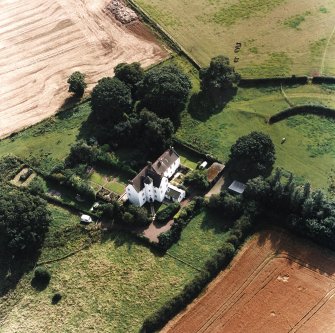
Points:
x=277, y=283
x=42, y=42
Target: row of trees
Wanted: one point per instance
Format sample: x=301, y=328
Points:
x=290, y=205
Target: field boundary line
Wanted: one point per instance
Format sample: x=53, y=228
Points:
x=184, y=262
x=325, y=51
x=86, y=246
x=175, y=45
x=285, y=96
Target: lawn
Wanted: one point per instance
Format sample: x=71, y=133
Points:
x=186, y=158
x=309, y=150
x=110, y=287
x=112, y=181
x=278, y=37
x=201, y=239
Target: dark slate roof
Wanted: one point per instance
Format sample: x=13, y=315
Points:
x=172, y=193
x=156, y=170
x=146, y=175
x=165, y=161
x=237, y=187
x=214, y=170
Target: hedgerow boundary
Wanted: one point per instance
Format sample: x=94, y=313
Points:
x=303, y=109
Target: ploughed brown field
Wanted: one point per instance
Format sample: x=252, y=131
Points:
x=277, y=283
x=43, y=41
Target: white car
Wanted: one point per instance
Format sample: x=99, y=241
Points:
x=86, y=219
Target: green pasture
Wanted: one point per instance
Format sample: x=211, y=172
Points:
x=112, y=286
x=278, y=37
x=309, y=150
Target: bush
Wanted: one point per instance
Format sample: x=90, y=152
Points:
x=42, y=275
x=37, y=186
x=167, y=213
x=56, y=298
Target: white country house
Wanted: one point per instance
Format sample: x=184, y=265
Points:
x=152, y=183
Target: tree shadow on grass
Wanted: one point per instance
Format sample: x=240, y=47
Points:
x=216, y=221
x=69, y=103
x=126, y=238
x=12, y=270
x=202, y=106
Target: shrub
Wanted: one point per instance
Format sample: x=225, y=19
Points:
x=167, y=213
x=56, y=298
x=42, y=275
x=37, y=186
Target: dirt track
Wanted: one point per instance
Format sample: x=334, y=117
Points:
x=277, y=283
x=42, y=42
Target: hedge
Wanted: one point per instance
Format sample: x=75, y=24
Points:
x=323, y=79
x=167, y=213
x=302, y=109
x=273, y=81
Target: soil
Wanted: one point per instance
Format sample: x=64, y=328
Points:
x=277, y=283
x=43, y=42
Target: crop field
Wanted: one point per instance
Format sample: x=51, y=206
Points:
x=43, y=42
x=308, y=152
x=110, y=287
x=278, y=37
x=277, y=283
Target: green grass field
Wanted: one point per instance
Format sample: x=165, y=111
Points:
x=110, y=287
x=50, y=140
x=279, y=37
x=309, y=150
x=115, y=182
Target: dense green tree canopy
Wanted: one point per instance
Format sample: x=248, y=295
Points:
x=130, y=74
x=254, y=153
x=77, y=83
x=164, y=90
x=148, y=132
x=218, y=76
x=24, y=220
x=111, y=98
x=81, y=152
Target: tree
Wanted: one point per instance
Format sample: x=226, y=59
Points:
x=81, y=153
x=24, y=220
x=77, y=83
x=197, y=179
x=130, y=74
x=219, y=76
x=164, y=90
x=253, y=154
x=111, y=98
x=150, y=133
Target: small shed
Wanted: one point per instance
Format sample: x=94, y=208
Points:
x=214, y=172
x=237, y=187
